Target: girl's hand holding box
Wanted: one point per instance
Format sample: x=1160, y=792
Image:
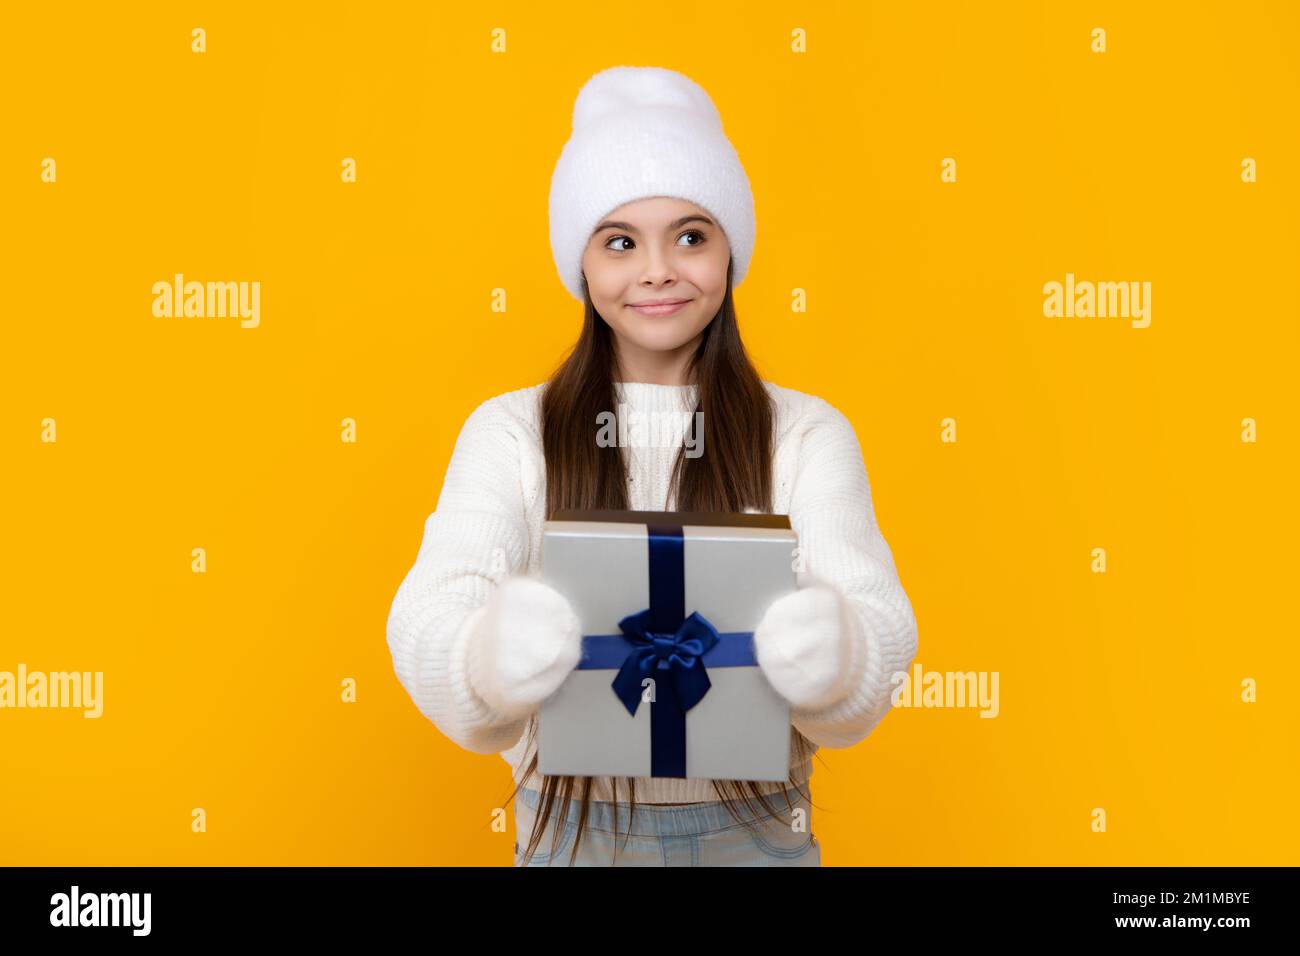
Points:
x=804, y=646
x=526, y=640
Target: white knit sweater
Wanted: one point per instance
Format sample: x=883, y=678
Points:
x=488, y=524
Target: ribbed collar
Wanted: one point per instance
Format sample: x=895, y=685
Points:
x=646, y=397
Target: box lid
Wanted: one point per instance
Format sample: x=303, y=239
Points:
x=705, y=519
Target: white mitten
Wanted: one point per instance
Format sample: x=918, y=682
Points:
x=804, y=646
x=524, y=642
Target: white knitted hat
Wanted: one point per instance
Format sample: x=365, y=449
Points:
x=641, y=131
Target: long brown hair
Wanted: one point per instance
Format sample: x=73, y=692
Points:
x=733, y=473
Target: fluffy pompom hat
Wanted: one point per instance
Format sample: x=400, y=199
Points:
x=642, y=131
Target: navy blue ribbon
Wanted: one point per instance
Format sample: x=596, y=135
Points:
x=664, y=644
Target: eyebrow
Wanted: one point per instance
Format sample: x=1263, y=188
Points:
x=628, y=227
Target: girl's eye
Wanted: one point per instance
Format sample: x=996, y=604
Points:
x=693, y=232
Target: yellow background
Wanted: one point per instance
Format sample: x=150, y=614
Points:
x=222, y=690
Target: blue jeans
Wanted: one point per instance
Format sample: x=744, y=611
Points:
x=694, y=834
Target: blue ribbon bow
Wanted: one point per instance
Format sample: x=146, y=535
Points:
x=672, y=661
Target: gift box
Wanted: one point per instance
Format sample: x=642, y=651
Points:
x=668, y=685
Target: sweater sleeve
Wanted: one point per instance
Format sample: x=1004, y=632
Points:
x=475, y=537
x=840, y=544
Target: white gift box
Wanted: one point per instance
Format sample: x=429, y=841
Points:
x=703, y=581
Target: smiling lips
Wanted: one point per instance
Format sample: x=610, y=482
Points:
x=659, y=306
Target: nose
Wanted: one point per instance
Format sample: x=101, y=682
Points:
x=659, y=270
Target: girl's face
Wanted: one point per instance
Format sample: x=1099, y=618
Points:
x=652, y=250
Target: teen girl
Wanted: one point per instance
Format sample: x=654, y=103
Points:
x=652, y=225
